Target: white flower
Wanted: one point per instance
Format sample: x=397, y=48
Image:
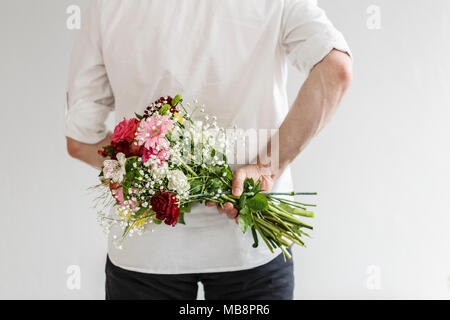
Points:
x=159, y=172
x=178, y=181
x=115, y=169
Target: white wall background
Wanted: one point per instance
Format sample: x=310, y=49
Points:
x=381, y=167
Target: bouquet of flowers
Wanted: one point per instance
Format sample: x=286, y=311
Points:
x=163, y=161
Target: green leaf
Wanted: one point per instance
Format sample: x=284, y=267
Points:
x=129, y=164
x=244, y=221
x=257, y=186
x=248, y=185
x=125, y=187
x=181, y=218
x=258, y=202
x=164, y=109
x=255, y=237
x=130, y=171
x=176, y=100
x=186, y=207
x=157, y=221
x=130, y=175
x=140, y=212
x=138, y=116
x=228, y=173
x=244, y=211
x=243, y=201
x=196, y=186
x=214, y=184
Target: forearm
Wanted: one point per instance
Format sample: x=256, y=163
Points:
x=87, y=153
x=316, y=102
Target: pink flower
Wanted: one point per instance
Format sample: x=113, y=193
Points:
x=125, y=130
x=152, y=131
x=163, y=155
x=118, y=195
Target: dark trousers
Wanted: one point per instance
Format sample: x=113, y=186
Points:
x=271, y=281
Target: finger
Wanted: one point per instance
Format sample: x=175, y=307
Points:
x=220, y=209
x=237, y=185
x=210, y=204
x=232, y=214
x=228, y=206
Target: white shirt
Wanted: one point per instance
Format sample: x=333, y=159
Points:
x=229, y=54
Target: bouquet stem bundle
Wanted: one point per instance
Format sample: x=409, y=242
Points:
x=272, y=216
x=278, y=223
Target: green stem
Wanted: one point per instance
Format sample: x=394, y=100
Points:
x=263, y=237
x=292, y=202
x=232, y=200
x=277, y=219
x=292, y=193
x=266, y=224
x=289, y=217
x=286, y=253
x=187, y=167
x=187, y=117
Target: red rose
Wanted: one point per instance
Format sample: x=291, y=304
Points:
x=128, y=149
x=125, y=130
x=165, y=206
x=121, y=147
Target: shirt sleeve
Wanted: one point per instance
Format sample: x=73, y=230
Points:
x=307, y=35
x=89, y=96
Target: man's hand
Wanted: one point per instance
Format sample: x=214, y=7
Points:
x=254, y=171
x=88, y=152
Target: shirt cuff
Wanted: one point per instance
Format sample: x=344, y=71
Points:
x=315, y=49
x=85, y=122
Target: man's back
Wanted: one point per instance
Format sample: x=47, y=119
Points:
x=231, y=55
x=218, y=50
